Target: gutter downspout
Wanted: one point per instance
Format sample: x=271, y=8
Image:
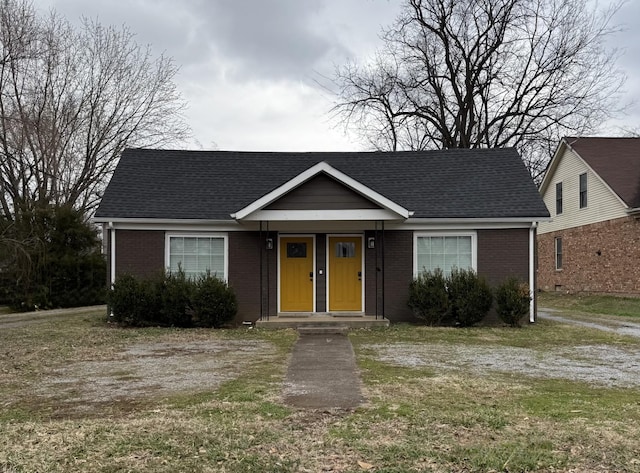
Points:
x=112, y=252
x=532, y=272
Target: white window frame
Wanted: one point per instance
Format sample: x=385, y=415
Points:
x=167, y=247
x=561, y=199
x=557, y=240
x=474, y=246
x=586, y=190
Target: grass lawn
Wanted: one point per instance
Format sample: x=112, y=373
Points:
x=78, y=395
x=591, y=304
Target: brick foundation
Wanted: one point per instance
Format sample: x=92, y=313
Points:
x=601, y=258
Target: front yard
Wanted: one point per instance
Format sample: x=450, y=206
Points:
x=79, y=395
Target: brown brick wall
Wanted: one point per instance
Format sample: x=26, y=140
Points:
x=244, y=273
x=398, y=272
x=372, y=276
x=139, y=252
x=503, y=253
x=601, y=257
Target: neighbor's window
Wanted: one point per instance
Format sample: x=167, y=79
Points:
x=558, y=253
x=197, y=254
x=445, y=252
x=558, y=198
x=583, y=190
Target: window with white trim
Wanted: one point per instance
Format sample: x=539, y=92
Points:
x=444, y=251
x=558, y=198
x=197, y=254
x=583, y=190
x=558, y=244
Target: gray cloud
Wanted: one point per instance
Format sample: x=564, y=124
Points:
x=274, y=39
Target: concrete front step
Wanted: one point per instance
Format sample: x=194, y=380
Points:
x=324, y=322
x=320, y=330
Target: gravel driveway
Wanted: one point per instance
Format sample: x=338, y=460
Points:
x=608, y=325
x=604, y=365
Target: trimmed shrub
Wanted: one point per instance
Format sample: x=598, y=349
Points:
x=172, y=300
x=428, y=297
x=470, y=297
x=214, y=303
x=175, y=300
x=512, y=301
x=134, y=302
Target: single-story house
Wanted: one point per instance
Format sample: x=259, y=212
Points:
x=321, y=232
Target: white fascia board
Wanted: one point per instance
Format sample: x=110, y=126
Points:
x=190, y=221
x=322, y=215
x=526, y=220
x=553, y=164
x=173, y=224
x=426, y=224
x=308, y=174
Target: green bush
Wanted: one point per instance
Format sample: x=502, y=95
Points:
x=428, y=297
x=512, y=301
x=214, y=303
x=175, y=300
x=50, y=257
x=470, y=297
x=172, y=300
x=134, y=302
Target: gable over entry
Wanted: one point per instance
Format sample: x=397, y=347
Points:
x=322, y=193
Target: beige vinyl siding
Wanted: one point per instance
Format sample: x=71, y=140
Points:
x=602, y=203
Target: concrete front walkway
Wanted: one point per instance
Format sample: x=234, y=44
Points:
x=323, y=373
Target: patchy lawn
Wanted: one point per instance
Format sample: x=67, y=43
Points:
x=591, y=304
x=79, y=395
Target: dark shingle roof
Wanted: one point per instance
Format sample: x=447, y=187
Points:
x=460, y=183
x=617, y=162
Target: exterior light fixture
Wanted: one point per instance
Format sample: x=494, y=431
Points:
x=371, y=242
x=269, y=244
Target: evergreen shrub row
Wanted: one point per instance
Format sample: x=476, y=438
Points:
x=464, y=298
x=172, y=300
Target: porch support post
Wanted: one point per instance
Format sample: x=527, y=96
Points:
x=377, y=249
x=269, y=274
x=383, y=278
x=261, y=243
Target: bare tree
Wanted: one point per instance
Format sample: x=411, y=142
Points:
x=70, y=101
x=485, y=73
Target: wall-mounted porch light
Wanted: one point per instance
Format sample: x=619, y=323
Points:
x=371, y=242
x=269, y=243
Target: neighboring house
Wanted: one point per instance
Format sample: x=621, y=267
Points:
x=340, y=233
x=592, y=243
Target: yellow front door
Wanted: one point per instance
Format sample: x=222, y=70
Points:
x=296, y=274
x=345, y=274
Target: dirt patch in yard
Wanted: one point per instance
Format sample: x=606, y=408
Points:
x=149, y=369
x=598, y=364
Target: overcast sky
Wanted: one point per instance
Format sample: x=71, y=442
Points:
x=249, y=68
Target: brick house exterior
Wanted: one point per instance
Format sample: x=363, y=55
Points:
x=592, y=242
x=321, y=232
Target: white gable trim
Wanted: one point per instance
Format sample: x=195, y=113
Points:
x=382, y=201
x=322, y=215
x=551, y=170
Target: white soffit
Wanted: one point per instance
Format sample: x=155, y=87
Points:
x=322, y=167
